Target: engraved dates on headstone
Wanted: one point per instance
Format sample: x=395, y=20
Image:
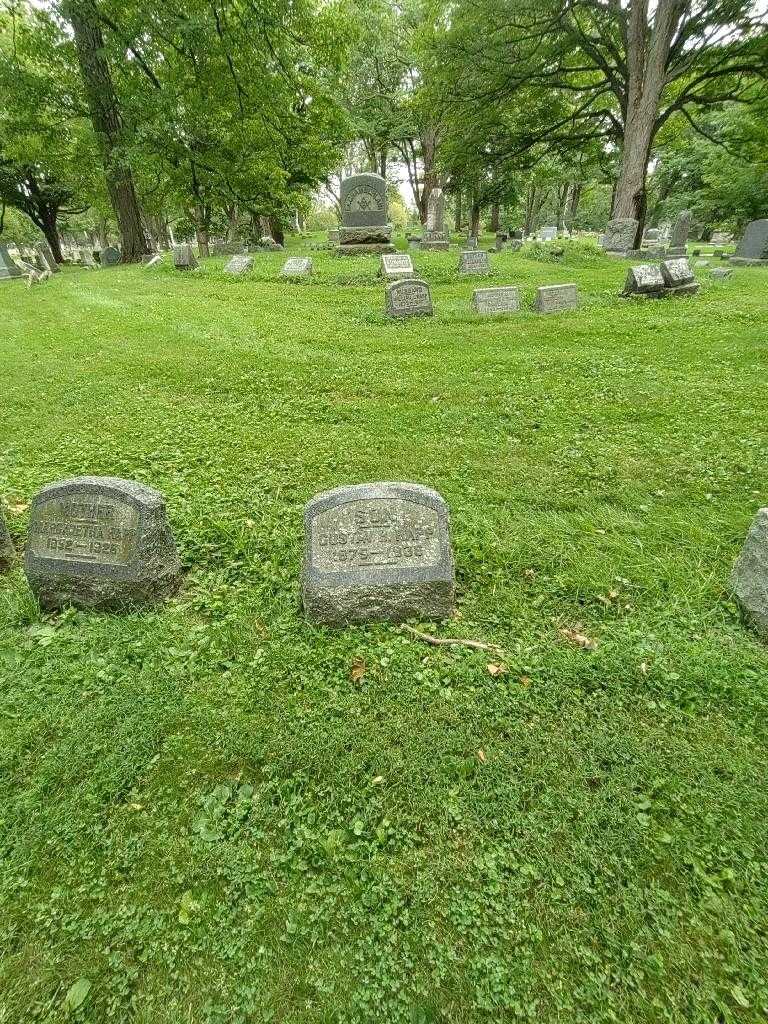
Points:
x=297, y=266
x=408, y=297
x=496, y=300
x=474, y=261
x=555, y=298
x=396, y=265
x=100, y=542
x=377, y=552
x=239, y=265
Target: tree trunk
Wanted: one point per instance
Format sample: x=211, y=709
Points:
x=457, y=213
x=474, y=224
x=49, y=229
x=495, y=217
x=428, y=142
x=562, y=200
x=202, y=219
x=573, y=203
x=107, y=124
x=276, y=230
x=101, y=230
x=647, y=53
x=233, y=219
x=382, y=164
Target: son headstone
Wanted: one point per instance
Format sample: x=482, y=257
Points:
x=8, y=267
x=749, y=579
x=297, y=266
x=555, y=298
x=100, y=542
x=474, y=261
x=378, y=553
x=395, y=266
x=239, y=265
x=752, y=250
x=408, y=297
x=490, y=301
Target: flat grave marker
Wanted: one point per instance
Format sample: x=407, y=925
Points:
x=474, y=261
x=490, y=301
x=297, y=266
x=395, y=266
x=239, y=265
x=556, y=298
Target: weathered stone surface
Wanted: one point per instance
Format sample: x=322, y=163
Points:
x=110, y=257
x=8, y=267
x=749, y=579
x=644, y=279
x=677, y=272
x=500, y=243
x=620, y=235
x=682, y=226
x=184, y=258
x=435, y=243
x=7, y=552
x=408, y=297
x=297, y=266
x=363, y=201
x=554, y=298
x=547, y=234
x=364, y=235
x=721, y=273
x=651, y=234
x=100, y=542
x=471, y=242
x=395, y=266
x=365, y=249
x=333, y=235
x=489, y=301
x=474, y=261
x=240, y=264
x=721, y=238
x=87, y=259
x=268, y=243
x=378, y=553
x=702, y=263
x=46, y=255
x=752, y=250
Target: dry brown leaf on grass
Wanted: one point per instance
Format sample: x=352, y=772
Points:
x=358, y=669
x=497, y=670
x=481, y=756
x=17, y=507
x=575, y=637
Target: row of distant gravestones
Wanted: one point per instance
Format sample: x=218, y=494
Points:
x=372, y=552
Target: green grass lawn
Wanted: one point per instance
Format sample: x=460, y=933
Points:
x=204, y=816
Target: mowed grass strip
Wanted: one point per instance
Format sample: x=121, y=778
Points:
x=207, y=818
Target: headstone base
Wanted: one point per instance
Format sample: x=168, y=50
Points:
x=677, y=250
x=377, y=248
x=437, y=246
x=743, y=261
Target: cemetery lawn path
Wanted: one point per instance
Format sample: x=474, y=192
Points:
x=216, y=813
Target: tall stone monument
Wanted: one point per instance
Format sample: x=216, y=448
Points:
x=752, y=250
x=364, y=224
x=435, y=236
x=377, y=552
x=679, y=238
x=100, y=542
x=8, y=267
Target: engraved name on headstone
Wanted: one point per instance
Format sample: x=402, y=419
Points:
x=239, y=264
x=364, y=224
x=408, y=297
x=297, y=266
x=474, y=261
x=554, y=298
x=100, y=542
x=678, y=277
x=496, y=300
x=377, y=552
x=395, y=266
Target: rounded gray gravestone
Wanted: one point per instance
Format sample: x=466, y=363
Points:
x=100, y=542
x=7, y=552
x=377, y=552
x=749, y=579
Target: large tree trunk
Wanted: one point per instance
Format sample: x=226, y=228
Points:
x=562, y=199
x=233, y=220
x=647, y=53
x=474, y=222
x=48, y=227
x=202, y=219
x=495, y=217
x=428, y=149
x=107, y=124
x=276, y=230
x=457, y=213
x=573, y=202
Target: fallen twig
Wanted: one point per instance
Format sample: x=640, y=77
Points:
x=439, y=641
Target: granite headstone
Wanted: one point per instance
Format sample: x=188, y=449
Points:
x=490, y=301
x=239, y=265
x=297, y=266
x=408, y=297
x=752, y=250
x=555, y=298
x=100, y=542
x=378, y=552
x=184, y=258
x=364, y=224
x=395, y=266
x=110, y=257
x=474, y=261
x=8, y=267
x=679, y=238
x=749, y=579
x=644, y=279
x=619, y=235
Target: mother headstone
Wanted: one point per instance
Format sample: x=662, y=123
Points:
x=100, y=542
x=377, y=552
